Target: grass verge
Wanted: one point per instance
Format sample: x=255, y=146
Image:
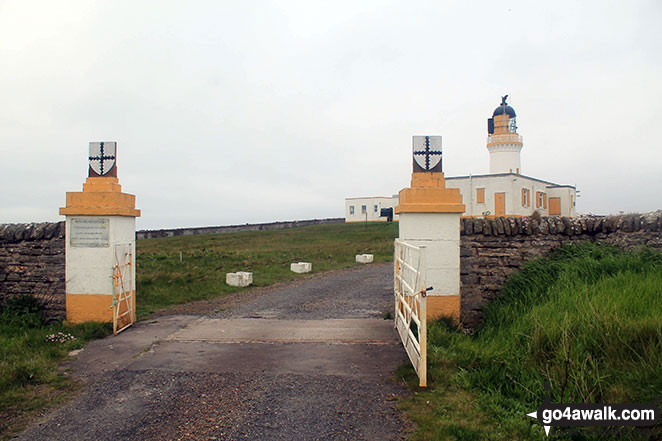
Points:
x=30, y=351
x=164, y=280
x=587, y=319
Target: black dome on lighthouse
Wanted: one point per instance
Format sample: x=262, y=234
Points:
x=504, y=108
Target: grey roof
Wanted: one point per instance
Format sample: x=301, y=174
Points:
x=549, y=184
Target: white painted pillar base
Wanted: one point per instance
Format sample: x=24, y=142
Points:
x=90, y=257
x=440, y=234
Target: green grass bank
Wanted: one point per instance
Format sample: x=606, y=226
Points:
x=587, y=319
x=181, y=269
x=30, y=352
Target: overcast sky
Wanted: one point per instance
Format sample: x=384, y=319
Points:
x=230, y=112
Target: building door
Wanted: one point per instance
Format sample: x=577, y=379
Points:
x=500, y=204
x=554, y=206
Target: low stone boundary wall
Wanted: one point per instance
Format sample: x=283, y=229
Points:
x=32, y=261
x=149, y=234
x=491, y=249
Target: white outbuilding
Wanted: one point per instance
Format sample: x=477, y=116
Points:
x=369, y=208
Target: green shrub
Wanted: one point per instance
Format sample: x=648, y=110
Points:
x=22, y=310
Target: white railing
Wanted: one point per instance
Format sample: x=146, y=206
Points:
x=409, y=283
x=506, y=138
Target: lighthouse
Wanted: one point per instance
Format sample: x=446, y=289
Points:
x=503, y=141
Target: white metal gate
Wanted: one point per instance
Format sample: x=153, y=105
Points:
x=410, y=292
x=123, y=288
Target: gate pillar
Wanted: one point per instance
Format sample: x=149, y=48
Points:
x=100, y=244
x=430, y=216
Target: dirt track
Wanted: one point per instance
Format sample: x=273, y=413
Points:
x=302, y=361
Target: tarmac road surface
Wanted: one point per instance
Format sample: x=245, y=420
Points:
x=310, y=360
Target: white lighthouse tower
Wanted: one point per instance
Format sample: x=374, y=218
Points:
x=503, y=141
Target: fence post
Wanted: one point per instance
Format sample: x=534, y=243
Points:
x=422, y=315
x=396, y=269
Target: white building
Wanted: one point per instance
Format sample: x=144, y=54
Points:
x=512, y=194
x=505, y=191
x=369, y=208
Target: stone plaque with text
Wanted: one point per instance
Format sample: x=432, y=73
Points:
x=89, y=232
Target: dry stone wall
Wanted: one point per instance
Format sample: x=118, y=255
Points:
x=491, y=249
x=32, y=261
x=32, y=256
x=149, y=234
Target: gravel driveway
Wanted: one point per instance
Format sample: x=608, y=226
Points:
x=302, y=361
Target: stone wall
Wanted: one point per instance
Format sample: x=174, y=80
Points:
x=148, y=234
x=491, y=249
x=32, y=261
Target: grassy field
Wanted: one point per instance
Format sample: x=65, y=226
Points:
x=588, y=320
x=29, y=355
x=163, y=280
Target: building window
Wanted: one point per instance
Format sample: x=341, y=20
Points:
x=375, y=208
x=364, y=209
x=526, y=197
x=480, y=195
x=541, y=199
x=351, y=209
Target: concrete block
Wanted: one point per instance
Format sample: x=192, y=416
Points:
x=364, y=258
x=240, y=278
x=301, y=267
